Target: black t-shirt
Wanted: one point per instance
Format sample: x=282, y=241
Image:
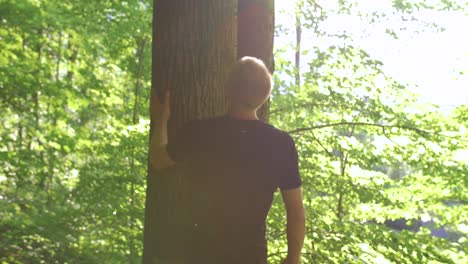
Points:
x=234, y=167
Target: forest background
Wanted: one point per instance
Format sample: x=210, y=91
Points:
x=384, y=170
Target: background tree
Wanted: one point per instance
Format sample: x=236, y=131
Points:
x=255, y=34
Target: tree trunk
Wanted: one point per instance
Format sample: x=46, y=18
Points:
x=256, y=27
x=193, y=50
x=140, y=51
x=298, y=48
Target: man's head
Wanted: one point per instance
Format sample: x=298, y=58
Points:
x=249, y=84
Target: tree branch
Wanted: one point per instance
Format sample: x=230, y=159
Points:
x=320, y=144
x=302, y=129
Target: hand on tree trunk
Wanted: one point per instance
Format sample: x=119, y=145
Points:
x=161, y=113
x=161, y=110
x=166, y=107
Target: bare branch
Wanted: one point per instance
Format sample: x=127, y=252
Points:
x=320, y=144
x=302, y=129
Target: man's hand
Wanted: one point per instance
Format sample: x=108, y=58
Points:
x=165, y=107
x=161, y=112
x=161, y=109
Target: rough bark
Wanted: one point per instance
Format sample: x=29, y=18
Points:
x=256, y=26
x=193, y=50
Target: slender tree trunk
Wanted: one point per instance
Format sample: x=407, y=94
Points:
x=298, y=48
x=140, y=51
x=193, y=50
x=59, y=57
x=256, y=26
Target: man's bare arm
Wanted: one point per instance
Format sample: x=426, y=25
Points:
x=295, y=223
x=159, y=157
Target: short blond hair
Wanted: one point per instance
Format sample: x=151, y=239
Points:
x=249, y=83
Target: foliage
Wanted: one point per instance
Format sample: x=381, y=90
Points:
x=371, y=155
x=74, y=86
x=74, y=90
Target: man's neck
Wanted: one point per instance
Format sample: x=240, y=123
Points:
x=245, y=115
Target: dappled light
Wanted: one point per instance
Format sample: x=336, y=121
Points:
x=374, y=95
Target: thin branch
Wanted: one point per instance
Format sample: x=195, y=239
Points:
x=302, y=129
x=417, y=130
x=281, y=110
x=304, y=105
x=384, y=132
x=320, y=144
x=279, y=253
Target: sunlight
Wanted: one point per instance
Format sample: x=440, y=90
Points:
x=431, y=60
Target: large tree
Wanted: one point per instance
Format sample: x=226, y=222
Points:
x=195, y=44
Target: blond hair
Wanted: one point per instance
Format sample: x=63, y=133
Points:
x=249, y=83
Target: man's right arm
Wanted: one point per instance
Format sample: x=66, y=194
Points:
x=295, y=223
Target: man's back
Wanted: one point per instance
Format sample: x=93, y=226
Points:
x=235, y=166
x=235, y=163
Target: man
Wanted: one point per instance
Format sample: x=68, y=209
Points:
x=235, y=164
